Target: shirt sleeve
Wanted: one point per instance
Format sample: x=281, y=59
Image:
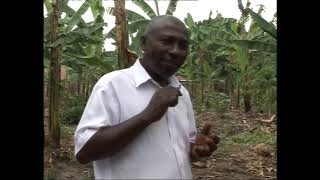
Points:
x=102, y=109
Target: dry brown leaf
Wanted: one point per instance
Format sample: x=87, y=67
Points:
x=265, y=129
x=261, y=173
x=259, y=146
x=201, y=164
x=269, y=169
x=268, y=120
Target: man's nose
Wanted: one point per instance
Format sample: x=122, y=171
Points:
x=174, y=50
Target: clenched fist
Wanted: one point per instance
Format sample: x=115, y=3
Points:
x=205, y=143
x=162, y=99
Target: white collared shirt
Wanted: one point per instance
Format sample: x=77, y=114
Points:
x=162, y=150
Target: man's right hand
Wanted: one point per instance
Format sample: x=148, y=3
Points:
x=162, y=99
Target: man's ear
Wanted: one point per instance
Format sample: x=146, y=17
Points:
x=143, y=43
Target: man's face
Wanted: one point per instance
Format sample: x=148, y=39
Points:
x=166, y=49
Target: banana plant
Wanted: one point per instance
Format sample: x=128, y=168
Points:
x=54, y=78
x=229, y=42
x=82, y=47
x=197, y=66
x=85, y=36
x=263, y=24
x=263, y=84
x=76, y=17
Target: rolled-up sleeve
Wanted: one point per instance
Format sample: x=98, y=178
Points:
x=102, y=109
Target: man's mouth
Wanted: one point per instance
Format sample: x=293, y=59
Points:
x=171, y=66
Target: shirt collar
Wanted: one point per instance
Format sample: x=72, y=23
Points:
x=141, y=76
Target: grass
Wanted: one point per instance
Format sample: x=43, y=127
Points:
x=65, y=131
x=49, y=175
x=88, y=176
x=245, y=138
x=256, y=137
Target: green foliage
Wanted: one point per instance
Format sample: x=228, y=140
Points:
x=81, y=48
x=218, y=53
x=77, y=16
x=49, y=175
x=47, y=5
x=264, y=80
x=255, y=137
x=268, y=27
x=219, y=102
x=257, y=45
x=66, y=131
x=63, y=7
x=246, y=138
x=261, y=22
x=88, y=176
x=171, y=7
x=232, y=55
x=145, y=7
x=242, y=56
x=72, y=109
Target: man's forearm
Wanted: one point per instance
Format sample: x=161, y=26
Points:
x=111, y=139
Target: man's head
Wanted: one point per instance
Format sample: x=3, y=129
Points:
x=165, y=46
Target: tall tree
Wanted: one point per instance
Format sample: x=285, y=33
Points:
x=121, y=33
x=54, y=53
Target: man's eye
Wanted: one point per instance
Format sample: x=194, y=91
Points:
x=165, y=42
x=184, y=46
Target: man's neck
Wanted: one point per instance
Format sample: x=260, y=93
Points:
x=163, y=81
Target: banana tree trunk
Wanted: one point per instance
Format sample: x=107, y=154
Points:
x=193, y=92
x=202, y=81
x=66, y=82
x=247, y=96
x=247, y=102
x=54, y=126
x=88, y=89
x=121, y=33
x=238, y=96
x=229, y=84
x=226, y=84
x=269, y=104
x=79, y=83
x=231, y=91
x=83, y=85
x=231, y=94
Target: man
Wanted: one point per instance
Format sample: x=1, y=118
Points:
x=137, y=123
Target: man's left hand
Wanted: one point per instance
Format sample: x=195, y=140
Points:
x=205, y=143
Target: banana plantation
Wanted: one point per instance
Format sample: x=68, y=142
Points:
x=230, y=73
